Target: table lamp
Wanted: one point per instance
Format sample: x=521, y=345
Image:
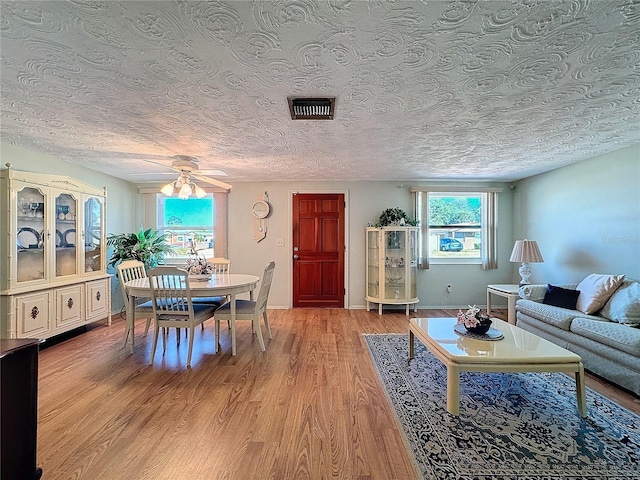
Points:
x=525, y=251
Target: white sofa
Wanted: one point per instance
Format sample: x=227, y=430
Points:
x=607, y=340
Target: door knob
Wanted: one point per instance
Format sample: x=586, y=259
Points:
x=295, y=257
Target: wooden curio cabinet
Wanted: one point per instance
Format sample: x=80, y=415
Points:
x=392, y=267
x=52, y=255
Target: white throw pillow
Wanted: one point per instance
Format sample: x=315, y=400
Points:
x=595, y=290
x=624, y=304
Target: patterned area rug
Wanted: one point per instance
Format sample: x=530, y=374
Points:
x=511, y=425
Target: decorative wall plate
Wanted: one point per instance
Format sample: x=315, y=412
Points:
x=27, y=238
x=69, y=238
x=59, y=239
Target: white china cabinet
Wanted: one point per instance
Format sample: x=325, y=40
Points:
x=52, y=255
x=392, y=267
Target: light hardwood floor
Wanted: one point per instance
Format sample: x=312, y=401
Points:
x=310, y=407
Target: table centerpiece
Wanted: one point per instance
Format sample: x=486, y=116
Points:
x=199, y=268
x=474, y=321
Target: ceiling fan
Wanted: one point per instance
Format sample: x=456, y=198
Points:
x=188, y=167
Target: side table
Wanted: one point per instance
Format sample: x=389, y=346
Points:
x=508, y=291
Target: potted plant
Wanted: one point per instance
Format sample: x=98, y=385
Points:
x=395, y=216
x=147, y=246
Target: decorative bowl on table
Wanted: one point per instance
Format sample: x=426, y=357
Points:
x=474, y=321
x=199, y=268
x=482, y=327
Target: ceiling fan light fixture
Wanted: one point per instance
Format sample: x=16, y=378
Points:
x=185, y=191
x=200, y=193
x=188, y=168
x=167, y=189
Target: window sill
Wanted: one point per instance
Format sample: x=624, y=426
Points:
x=455, y=261
x=176, y=261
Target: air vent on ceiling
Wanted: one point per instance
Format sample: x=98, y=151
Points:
x=311, y=108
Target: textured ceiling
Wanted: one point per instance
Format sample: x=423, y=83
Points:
x=425, y=90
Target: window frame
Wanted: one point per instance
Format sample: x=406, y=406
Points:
x=489, y=224
x=435, y=260
x=151, y=196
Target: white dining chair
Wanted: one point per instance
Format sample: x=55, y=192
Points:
x=219, y=265
x=249, y=309
x=173, y=306
x=131, y=270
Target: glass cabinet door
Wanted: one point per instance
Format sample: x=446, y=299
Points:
x=373, y=263
x=65, y=235
x=413, y=264
x=395, y=264
x=392, y=266
x=30, y=237
x=93, y=249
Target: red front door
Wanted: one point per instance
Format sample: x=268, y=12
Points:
x=318, y=250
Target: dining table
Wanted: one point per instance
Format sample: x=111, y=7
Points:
x=221, y=284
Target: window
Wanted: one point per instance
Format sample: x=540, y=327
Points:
x=193, y=223
x=456, y=225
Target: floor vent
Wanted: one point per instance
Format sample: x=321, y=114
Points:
x=312, y=108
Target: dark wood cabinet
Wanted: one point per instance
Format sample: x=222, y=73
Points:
x=18, y=409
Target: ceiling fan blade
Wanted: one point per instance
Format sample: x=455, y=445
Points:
x=143, y=174
x=188, y=166
x=165, y=165
x=212, y=173
x=213, y=181
x=215, y=173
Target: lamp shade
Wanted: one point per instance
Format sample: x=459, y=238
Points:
x=526, y=251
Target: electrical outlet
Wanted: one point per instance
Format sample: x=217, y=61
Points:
x=279, y=242
x=449, y=288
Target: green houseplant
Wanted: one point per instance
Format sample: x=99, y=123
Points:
x=395, y=216
x=147, y=246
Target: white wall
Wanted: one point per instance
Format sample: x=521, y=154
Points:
x=585, y=218
x=365, y=202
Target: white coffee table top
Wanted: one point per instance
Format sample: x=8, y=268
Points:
x=517, y=347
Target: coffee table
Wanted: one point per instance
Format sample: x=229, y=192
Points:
x=518, y=351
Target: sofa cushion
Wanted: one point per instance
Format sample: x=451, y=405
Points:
x=556, y=316
x=624, y=305
x=595, y=290
x=538, y=291
x=561, y=297
x=615, y=335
